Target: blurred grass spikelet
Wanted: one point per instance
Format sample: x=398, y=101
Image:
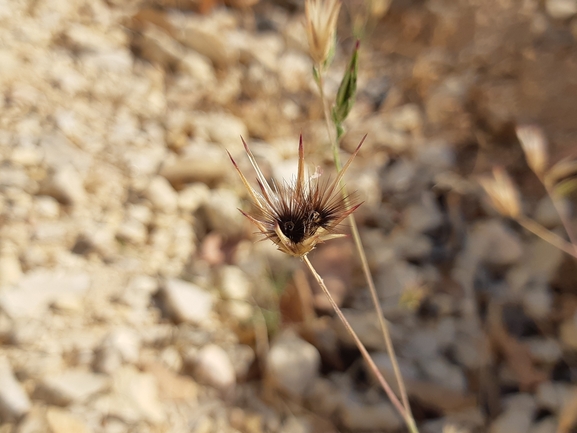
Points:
x=502, y=192
x=299, y=215
x=321, y=24
x=534, y=145
x=379, y=8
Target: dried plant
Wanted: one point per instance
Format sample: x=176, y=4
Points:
x=297, y=216
x=557, y=180
x=344, y=102
x=321, y=24
x=378, y=8
x=534, y=145
x=502, y=192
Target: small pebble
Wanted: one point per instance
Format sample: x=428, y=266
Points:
x=561, y=9
x=14, y=401
x=162, y=195
x=187, y=302
x=72, y=386
x=292, y=364
x=214, y=368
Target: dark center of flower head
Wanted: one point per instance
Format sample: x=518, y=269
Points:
x=299, y=227
x=294, y=230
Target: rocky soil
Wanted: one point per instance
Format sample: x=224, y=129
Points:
x=133, y=296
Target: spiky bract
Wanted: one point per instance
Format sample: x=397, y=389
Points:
x=299, y=215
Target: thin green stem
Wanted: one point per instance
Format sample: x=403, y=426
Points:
x=321, y=86
x=364, y=262
x=367, y=357
x=547, y=235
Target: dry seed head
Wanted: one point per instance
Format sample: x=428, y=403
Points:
x=534, y=145
x=298, y=216
x=502, y=192
x=379, y=8
x=321, y=24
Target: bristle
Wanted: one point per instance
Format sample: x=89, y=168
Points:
x=301, y=168
x=232, y=159
x=249, y=188
x=256, y=222
x=360, y=144
x=347, y=213
x=259, y=174
x=244, y=144
x=264, y=192
x=345, y=167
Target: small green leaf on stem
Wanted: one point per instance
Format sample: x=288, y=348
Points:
x=347, y=89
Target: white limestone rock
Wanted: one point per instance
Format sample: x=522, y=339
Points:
x=221, y=210
x=192, y=197
x=186, y=302
x=14, y=402
x=292, y=364
x=67, y=186
x=199, y=162
x=62, y=421
x=234, y=283
x=561, y=9
x=162, y=195
x=37, y=290
x=120, y=346
x=134, y=397
x=71, y=386
x=214, y=368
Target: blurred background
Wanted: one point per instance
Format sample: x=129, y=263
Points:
x=134, y=297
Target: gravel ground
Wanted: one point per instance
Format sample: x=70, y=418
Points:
x=133, y=296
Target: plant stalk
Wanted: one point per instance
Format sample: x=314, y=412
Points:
x=408, y=418
x=364, y=262
x=547, y=236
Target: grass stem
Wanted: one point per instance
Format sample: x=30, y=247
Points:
x=367, y=357
x=364, y=262
x=547, y=235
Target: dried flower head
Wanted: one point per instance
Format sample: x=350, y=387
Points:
x=297, y=216
x=534, y=145
x=321, y=24
x=378, y=8
x=502, y=192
